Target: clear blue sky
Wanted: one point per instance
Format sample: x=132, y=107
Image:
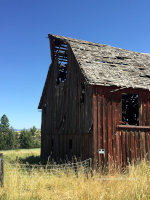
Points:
x=25, y=52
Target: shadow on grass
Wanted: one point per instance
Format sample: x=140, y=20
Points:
x=37, y=160
x=33, y=160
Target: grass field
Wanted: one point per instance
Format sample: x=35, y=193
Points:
x=40, y=185
x=24, y=155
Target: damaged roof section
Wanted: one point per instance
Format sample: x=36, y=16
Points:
x=109, y=66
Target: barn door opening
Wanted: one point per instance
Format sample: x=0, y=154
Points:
x=130, y=109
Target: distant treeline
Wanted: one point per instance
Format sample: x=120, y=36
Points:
x=11, y=139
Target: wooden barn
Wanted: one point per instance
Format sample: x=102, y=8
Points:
x=96, y=103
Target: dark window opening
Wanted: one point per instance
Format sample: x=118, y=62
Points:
x=70, y=144
x=62, y=73
x=130, y=109
x=61, y=56
x=82, y=97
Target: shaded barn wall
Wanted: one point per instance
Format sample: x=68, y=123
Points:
x=107, y=105
x=68, y=118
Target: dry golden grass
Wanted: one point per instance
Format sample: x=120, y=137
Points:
x=40, y=185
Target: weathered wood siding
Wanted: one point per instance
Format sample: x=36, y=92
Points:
x=132, y=143
x=66, y=118
x=107, y=115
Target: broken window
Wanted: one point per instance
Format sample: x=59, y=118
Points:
x=61, y=56
x=130, y=109
x=62, y=73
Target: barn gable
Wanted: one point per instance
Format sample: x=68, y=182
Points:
x=110, y=66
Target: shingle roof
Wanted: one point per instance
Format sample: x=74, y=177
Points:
x=110, y=66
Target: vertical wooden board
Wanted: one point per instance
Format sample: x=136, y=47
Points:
x=87, y=146
x=49, y=146
x=147, y=115
x=141, y=146
x=99, y=138
x=83, y=147
x=75, y=145
x=116, y=113
x=136, y=144
x=95, y=128
x=127, y=147
x=54, y=150
x=149, y=111
x=69, y=124
x=114, y=133
x=144, y=144
x=77, y=110
x=64, y=145
x=148, y=144
x=90, y=145
x=82, y=144
x=113, y=116
x=60, y=146
x=146, y=148
x=140, y=110
x=104, y=129
x=117, y=149
x=57, y=147
x=100, y=128
x=114, y=153
x=124, y=149
x=132, y=147
x=79, y=107
x=63, y=148
x=120, y=150
x=143, y=97
x=79, y=145
x=110, y=145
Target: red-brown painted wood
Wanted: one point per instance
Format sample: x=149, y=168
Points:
x=110, y=145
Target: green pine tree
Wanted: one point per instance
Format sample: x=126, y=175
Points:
x=26, y=139
x=8, y=138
